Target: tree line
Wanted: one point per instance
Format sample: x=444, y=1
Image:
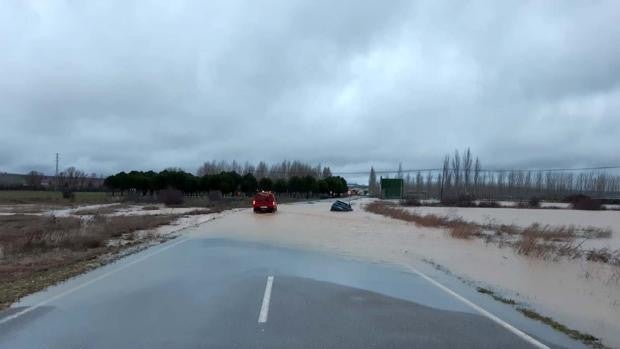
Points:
x=228, y=183
x=462, y=174
x=285, y=169
x=71, y=178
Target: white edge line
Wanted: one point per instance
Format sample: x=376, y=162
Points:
x=89, y=282
x=264, y=309
x=483, y=312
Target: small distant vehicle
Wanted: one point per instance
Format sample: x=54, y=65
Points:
x=264, y=202
x=341, y=206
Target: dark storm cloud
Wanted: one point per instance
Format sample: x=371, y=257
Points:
x=115, y=85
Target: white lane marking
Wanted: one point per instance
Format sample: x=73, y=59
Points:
x=264, y=309
x=482, y=312
x=89, y=282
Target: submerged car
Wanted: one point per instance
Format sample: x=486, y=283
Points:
x=264, y=202
x=341, y=206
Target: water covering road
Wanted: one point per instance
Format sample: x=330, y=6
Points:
x=209, y=293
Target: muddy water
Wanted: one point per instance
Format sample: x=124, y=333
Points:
x=524, y=217
x=576, y=293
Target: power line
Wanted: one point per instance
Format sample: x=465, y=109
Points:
x=484, y=170
x=387, y=171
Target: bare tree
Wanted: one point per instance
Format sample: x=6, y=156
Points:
x=261, y=170
x=419, y=182
x=34, y=179
x=429, y=183
x=477, y=168
x=467, y=163
x=327, y=172
x=248, y=168
x=445, y=180
x=456, y=168
x=72, y=178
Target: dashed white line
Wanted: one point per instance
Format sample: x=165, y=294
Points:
x=264, y=309
x=482, y=312
x=89, y=282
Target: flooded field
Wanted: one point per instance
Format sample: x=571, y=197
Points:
x=523, y=217
x=576, y=293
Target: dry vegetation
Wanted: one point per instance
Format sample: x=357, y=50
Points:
x=37, y=251
x=540, y=241
x=585, y=338
x=199, y=211
x=457, y=228
x=53, y=197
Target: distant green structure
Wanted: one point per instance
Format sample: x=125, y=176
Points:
x=392, y=188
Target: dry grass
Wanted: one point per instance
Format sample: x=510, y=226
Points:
x=496, y=296
x=18, y=280
x=457, y=228
x=596, y=233
x=550, y=233
x=398, y=213
x=22, y=235
x=115, y=226
x=464, y=230
x=533, y=245
x=536, y=240
x=552, y=242
x=37, y=251
x=198, y=211
x=28, y=234
x=53, y=197
x=604, y=255
x=585, y=338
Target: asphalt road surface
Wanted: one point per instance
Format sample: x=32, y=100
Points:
x=217, y=293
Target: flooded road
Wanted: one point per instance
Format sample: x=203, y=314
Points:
x=201, y=292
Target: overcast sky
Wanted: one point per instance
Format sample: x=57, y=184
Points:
x=118, y=85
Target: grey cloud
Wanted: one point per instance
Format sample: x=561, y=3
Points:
x=115, y=85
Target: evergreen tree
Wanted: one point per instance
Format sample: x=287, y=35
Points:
x=372, y=182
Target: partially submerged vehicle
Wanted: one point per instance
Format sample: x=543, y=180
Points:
x=341, y=206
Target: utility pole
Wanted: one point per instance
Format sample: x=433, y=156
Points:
x=56, y=173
